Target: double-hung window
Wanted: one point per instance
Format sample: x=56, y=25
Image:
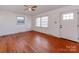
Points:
x=42, y=21
x=38, y=22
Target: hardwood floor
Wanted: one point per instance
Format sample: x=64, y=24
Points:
x=37, y=43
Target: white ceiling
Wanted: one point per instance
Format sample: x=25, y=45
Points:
x=20, y=8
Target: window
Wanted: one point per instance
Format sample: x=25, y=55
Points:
x=42, y=21
x=20, y=20
x=38, y=22
x=68, y=16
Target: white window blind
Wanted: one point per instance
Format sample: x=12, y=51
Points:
x=44, y=21
x=38, y=22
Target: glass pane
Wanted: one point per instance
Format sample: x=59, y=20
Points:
x=68, y=16
x=46, y=17
x=44, y=25
x=71, y=16
x=44, y=21
x=64, y=17
x=20, y=18
x=38, y=22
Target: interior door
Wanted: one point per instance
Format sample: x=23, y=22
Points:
x=68, y=25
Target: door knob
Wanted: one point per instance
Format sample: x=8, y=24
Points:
x=60, y=26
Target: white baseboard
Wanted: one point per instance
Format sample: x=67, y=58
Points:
x=8, y=33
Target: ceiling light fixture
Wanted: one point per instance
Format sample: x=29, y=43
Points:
x=30, y=7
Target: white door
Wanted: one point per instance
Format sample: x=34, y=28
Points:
x=68, y=25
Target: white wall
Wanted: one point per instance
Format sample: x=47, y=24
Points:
x=53, y=28
x=8, y=23
x=54, y=15
x=78, y=24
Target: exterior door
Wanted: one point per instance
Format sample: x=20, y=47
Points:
x=68, y=25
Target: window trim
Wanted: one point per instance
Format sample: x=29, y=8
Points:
x=66, y=16
x=20, y=23
x=36, y=22
x=41, y=22
x=47, y=21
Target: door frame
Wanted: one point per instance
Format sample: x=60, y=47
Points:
x=75, y=17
